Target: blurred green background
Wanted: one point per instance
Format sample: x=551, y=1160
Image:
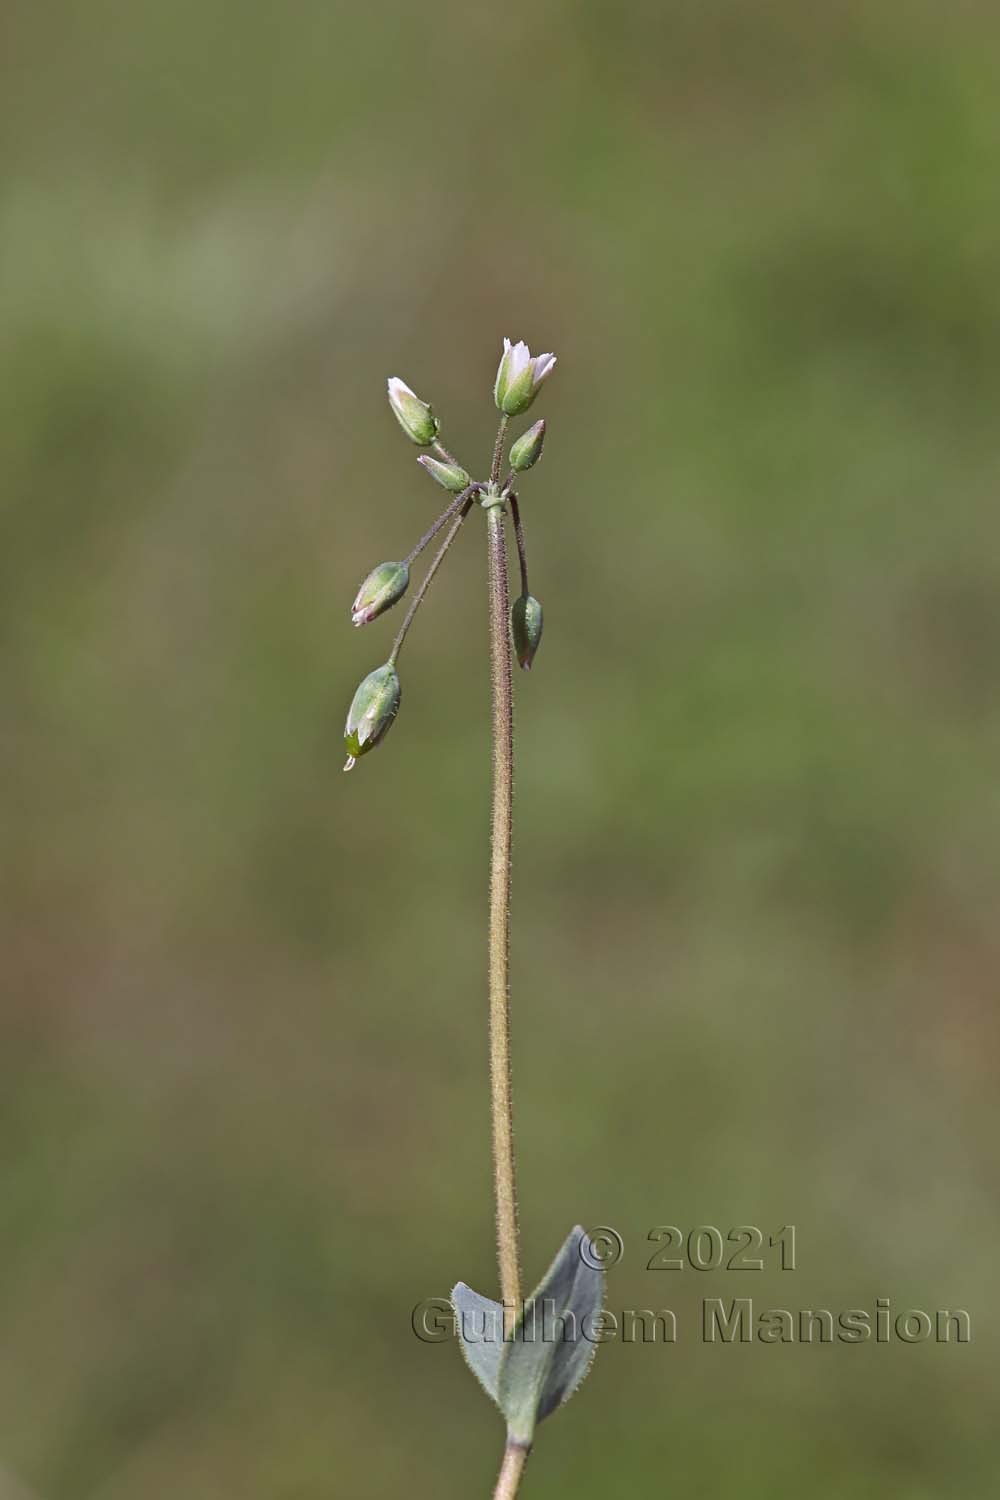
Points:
x=758, y=826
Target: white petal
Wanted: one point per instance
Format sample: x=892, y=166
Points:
x=520, y=359
x=398, y=387
x=543, y=366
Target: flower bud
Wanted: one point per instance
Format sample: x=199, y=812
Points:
x=528, y=448
x=519, y=377
x=452, y=476
x=526, y=628
x=414, y=416
x=381, y=589
x=372, y=710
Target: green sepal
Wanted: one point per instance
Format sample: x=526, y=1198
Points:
x=372, y=711
x=384, y=587
x=526, y=628
x=450, y=476
x=414, y=416
x=528, y=449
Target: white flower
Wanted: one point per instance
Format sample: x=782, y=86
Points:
x=519, y=376
x=414, y=416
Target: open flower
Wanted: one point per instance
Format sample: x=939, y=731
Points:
x=519, y=376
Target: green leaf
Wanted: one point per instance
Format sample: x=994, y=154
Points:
x=554, y=1342
x=480, y=1333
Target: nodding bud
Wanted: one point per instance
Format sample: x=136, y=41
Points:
x=526, y=628
x=372, y=710
x=519, y=376
x=414, y=416
x=528, y=448
x=380, y=591
x=452, y=476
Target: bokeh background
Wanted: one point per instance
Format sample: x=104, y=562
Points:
x=758, y=826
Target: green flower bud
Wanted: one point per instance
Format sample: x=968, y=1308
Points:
x=452, y=476
x=528, y=448
x=518, y=377
x=414, y=416
x=380, y=591
x=526, y=628
x=374, y=706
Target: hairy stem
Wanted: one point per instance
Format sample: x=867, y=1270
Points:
x=498, y=450
x=446, y=514
x=522, y=555
x=499, y=928
x=514, y=1460
x=439, y=558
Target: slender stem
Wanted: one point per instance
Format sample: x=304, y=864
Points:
x=439, y=558
x=514, y=1460
x=498, y=450
x=522, y=556
x=445, y=515
x=502, y=809
x=442, y=453
x=499, y=928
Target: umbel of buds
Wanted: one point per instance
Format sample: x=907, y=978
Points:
x=519, y=376
x=414, y=416
x=451, y=476
x=526, y=628
x=520, y=373
x=372, y=710
x=383, y=587
x=528, y=449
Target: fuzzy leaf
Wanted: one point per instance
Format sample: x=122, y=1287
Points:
x=553, y=1344
x=480, y=1333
